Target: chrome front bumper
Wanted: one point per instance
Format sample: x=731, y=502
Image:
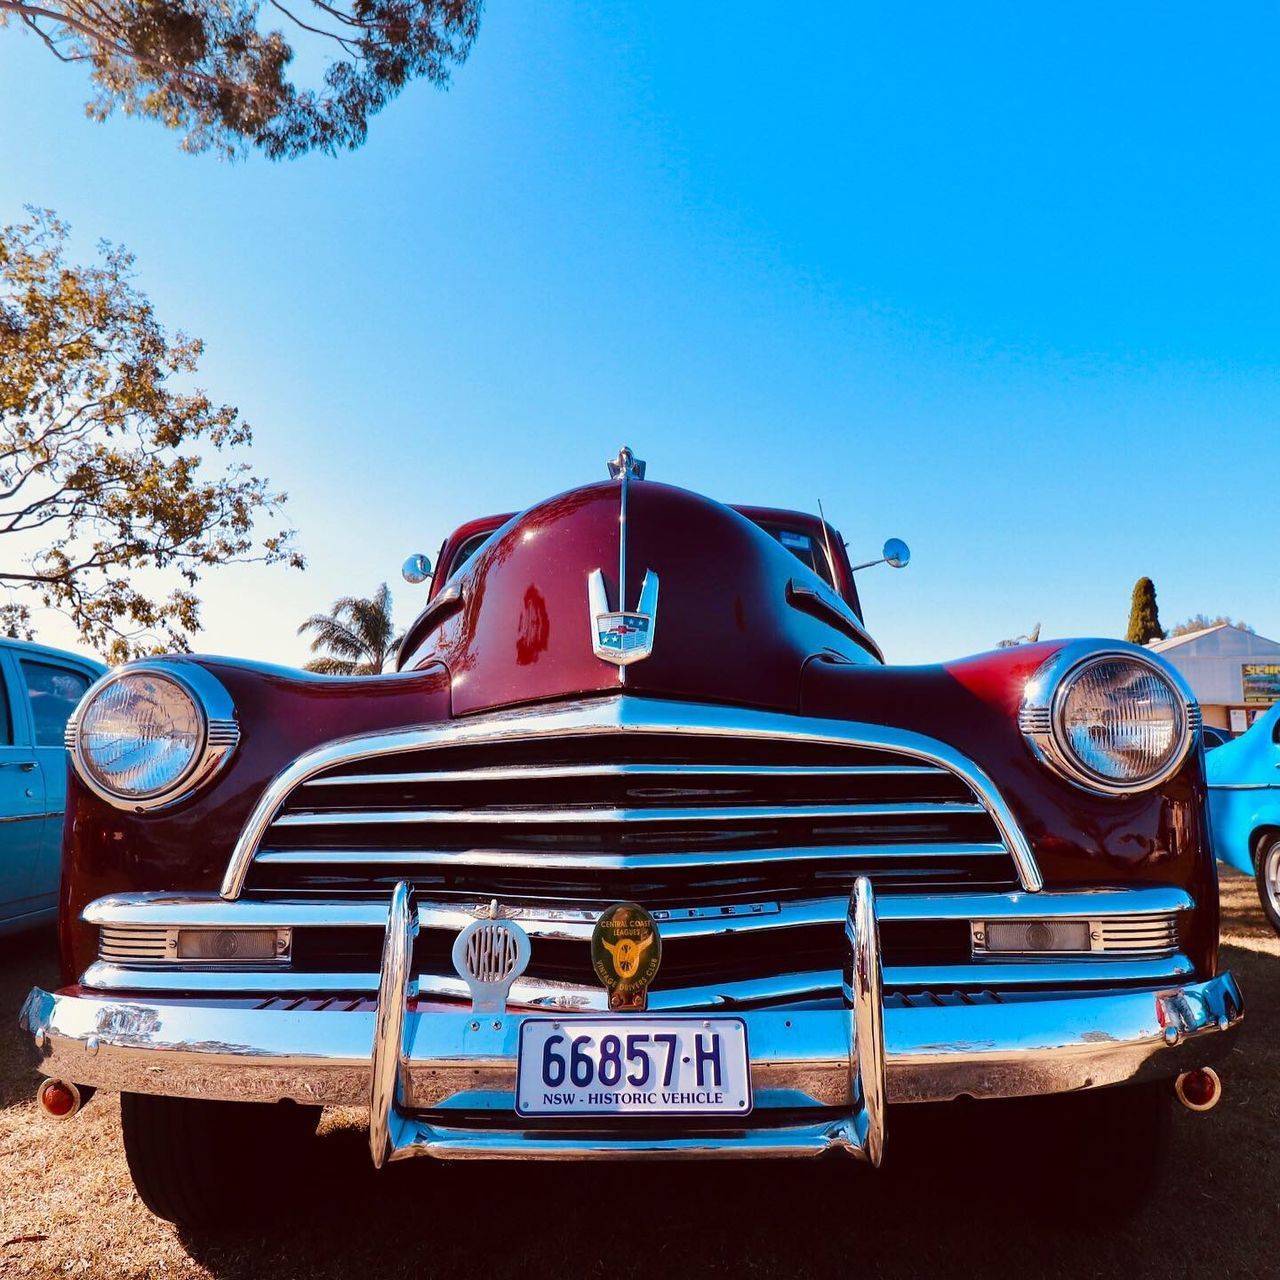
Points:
x=441, y=1081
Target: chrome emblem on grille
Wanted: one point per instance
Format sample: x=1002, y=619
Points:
x=489, y=956
x=622, y=636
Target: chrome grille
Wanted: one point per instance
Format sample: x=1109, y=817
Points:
x=547, y=822
x=740, y=828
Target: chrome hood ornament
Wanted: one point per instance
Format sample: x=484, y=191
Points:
x=626, y=466
x=623, y=636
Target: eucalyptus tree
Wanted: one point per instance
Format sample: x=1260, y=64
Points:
x=219, y=71
x=113, y=498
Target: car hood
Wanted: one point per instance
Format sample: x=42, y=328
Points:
x=737, y=616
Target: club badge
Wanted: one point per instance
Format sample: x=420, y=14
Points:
x=626, y=950
x=489, y=956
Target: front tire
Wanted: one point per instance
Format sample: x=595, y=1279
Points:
x=1095, y=1155
x=213, y=1165
x=1266, y=874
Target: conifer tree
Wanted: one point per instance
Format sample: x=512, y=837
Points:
x=1144, y=616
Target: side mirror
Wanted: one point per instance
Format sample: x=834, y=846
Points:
x=417, y=568
x=897, y=555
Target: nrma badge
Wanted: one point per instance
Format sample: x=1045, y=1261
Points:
x=624, y=636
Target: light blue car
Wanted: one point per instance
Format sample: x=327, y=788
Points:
x=39, y=689
x=1244, y=807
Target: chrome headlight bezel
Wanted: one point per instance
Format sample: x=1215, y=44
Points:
x=1041, y=721
x=219, y=736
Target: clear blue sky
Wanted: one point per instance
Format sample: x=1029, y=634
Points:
x=999, y=279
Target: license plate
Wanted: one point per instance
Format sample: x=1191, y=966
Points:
x=633, y=1066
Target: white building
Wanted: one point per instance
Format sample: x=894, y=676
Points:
x=1234, y=674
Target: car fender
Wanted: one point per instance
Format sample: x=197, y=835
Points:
x=1236, y=815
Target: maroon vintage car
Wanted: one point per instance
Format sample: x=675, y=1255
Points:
x=643, y=852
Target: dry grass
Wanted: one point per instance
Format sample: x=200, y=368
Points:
x=67, y=1205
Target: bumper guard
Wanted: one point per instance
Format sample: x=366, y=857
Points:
x=428, y=1073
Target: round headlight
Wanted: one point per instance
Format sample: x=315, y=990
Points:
x=144, y=736
x=1112, y=722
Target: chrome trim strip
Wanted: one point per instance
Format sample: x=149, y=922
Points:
x=533, y=772
x=216, y=1050
x=536, y=993
x=560, y=860
x=570, y=816
x=29, y=817
x=627, y=715
x=783, y=1142
x=834, y=611
x=448, y=601
x=194, y=910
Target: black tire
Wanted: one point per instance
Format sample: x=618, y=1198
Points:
x=1266, y=876
x=1091, y=1156
x=213, y=1165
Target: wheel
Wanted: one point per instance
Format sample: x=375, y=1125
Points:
x=1266, y=873
x=1088, y=1156
x=213, y=1165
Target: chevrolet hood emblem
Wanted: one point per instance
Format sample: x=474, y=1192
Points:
x=622, y=636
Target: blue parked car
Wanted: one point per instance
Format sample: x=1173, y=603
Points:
x=1244, y=807
x=39, y=689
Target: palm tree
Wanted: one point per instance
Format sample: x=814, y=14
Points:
x=359, y=635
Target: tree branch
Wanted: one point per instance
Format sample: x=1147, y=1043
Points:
x=163, y=69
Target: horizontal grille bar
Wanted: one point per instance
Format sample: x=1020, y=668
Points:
x=569, y=815
x=785, y=985
x=129, y=911
x=553, y=859
x=531, y=773
x=921, y=945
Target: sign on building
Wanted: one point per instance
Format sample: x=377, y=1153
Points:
x=1261, y=682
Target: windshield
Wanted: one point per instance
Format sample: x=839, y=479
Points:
x=467, y=551
x=807, y=549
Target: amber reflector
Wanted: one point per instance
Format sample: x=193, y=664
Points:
x=57, y=1099
x=1200, y=1088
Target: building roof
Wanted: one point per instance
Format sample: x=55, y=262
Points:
x=1174, y=641
x=1215, y=662
x=1223, y=640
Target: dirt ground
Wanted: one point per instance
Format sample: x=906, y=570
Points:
x=942, y=1203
